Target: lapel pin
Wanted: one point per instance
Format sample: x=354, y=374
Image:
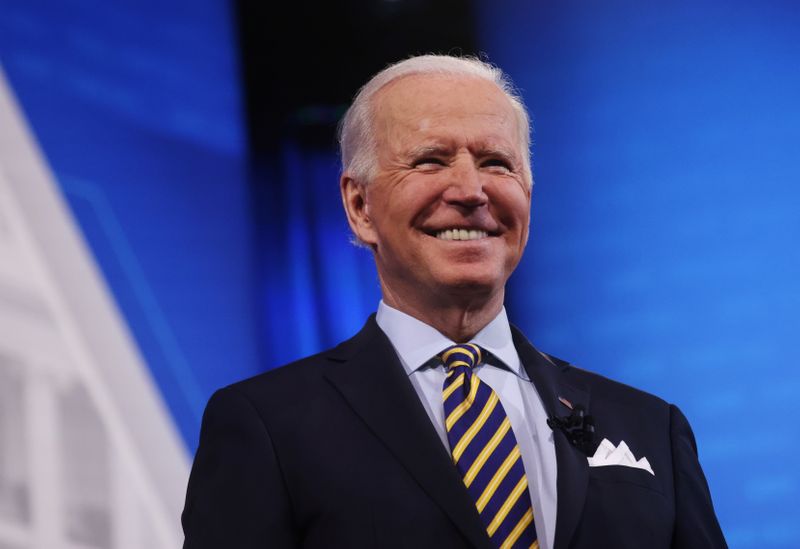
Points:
x=565, y=402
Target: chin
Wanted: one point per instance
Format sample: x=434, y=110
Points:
x=471, y=285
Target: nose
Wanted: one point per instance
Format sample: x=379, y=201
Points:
x=465, y=187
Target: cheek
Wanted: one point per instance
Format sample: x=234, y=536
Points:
x=513, y=207
x=412, y=201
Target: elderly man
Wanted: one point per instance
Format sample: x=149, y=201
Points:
x=439, y=424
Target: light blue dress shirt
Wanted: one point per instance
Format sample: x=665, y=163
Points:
x=416, y=343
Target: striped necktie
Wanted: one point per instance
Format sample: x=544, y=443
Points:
x=485, y=451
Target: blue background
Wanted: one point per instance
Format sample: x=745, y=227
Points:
x=137, y=106
x=665, y=213
x=666, y=219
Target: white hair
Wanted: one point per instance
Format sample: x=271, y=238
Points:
x=357, y=140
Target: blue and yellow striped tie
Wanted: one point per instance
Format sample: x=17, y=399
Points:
x=485, y=451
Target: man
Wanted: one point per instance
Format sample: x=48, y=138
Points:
x=440, y=425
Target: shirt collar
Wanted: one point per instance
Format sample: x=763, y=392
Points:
x=416, y=342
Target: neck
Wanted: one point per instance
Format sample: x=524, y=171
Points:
x=458, y=318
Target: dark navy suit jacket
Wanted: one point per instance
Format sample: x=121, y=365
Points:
x=336, y=450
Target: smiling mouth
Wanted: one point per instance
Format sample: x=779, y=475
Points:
x=461, y=234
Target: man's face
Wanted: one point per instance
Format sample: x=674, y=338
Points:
x=448, y=210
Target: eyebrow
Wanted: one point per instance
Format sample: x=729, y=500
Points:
x=425, y=150
x=504, y=152
x=442, y=149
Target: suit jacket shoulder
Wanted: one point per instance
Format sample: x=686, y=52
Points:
x=334, y=450
x=670, y=508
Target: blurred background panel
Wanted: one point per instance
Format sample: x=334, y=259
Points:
x=665, y=221
x=194, y=143
x=303, y=63
x=138, y=108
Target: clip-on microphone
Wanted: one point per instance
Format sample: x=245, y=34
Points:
x=578, y=428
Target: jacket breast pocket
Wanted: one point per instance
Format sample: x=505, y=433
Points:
x=626, y=508
x=622, y=474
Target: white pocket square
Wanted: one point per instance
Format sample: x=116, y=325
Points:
x=608, y=454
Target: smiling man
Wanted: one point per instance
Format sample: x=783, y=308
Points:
x=447, y=207
x=439, y=424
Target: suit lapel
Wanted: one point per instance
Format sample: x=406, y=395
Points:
x=372, y=380
x=573, y=469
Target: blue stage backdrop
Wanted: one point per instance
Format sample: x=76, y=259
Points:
x=666, y=217
x=137, y=106
x=663, y=250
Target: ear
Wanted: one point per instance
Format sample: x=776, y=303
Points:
x=530, y=212
x=354, y=199
x=530, y=219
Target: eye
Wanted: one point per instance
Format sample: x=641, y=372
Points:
x=498, y=164
x=428, y=162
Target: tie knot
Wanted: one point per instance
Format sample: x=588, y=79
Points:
x=468, y=355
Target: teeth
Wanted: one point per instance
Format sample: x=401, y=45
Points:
x=461, y=234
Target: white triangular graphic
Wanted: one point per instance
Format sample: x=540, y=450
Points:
x=88, y=454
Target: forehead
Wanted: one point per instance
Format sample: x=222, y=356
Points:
x=435, y=106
